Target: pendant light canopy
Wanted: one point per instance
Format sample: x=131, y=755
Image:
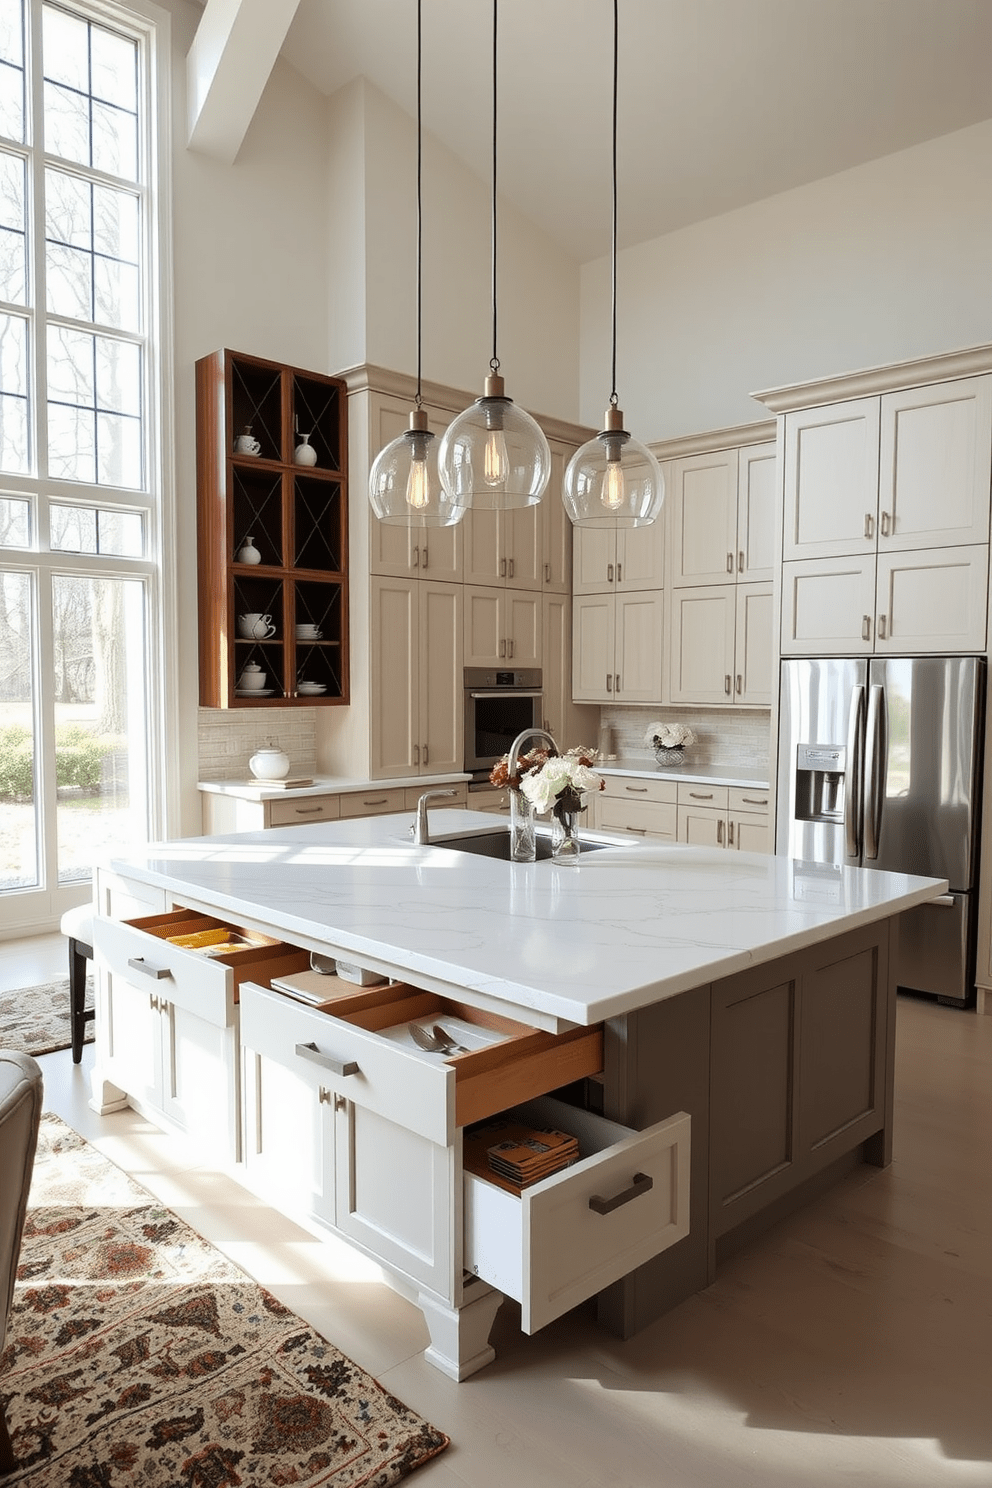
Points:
x=613, y=480
x=404, y=488
x=494, y=455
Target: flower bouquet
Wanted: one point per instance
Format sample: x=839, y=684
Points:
x=669, y=742
x=558, y=784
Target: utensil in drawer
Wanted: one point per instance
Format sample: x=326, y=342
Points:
x=437, y=1042
x=445, y=1039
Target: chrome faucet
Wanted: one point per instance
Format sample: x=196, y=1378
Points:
x=419, y=830
x=513, y=759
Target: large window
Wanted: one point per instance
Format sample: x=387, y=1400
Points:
x=81, y=483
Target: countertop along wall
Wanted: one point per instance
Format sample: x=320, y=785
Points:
x=724, y=736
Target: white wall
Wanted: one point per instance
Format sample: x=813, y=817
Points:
x=889, y=261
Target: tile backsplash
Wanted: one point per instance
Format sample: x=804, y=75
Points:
x=724, y=736
x=228, y=737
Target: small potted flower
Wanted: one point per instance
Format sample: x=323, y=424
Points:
x=559, y=784
x=669, y=742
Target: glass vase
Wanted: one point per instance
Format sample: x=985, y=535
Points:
x=523, y=842
x=671, y=756
x=565, y=847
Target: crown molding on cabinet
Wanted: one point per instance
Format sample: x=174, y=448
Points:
x=369, y=378
x=738, y=436
x=944, y=367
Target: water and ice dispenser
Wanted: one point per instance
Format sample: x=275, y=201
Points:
x=820, y=782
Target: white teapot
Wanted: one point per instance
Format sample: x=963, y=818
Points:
x=269, y=763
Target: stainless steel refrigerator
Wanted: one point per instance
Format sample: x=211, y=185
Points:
x=879, y=766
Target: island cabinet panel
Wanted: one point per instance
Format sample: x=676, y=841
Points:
x=798, y=1071
x=557, y=1242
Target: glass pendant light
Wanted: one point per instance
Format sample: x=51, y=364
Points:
x=613, y=480
x=404, y=488
x=494, y=455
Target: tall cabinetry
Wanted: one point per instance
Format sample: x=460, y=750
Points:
x=618, y=617
x=272, y=533
x=886, y=529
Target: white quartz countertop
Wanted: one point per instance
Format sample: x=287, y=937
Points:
x=691, y=774
x=625, y=928
x=323, y=785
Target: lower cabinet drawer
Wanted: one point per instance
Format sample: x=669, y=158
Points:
x=362, y=1050
x=638, y=788
x=372, y=802
x=754, y=799
x=641, y=818
x=560, y=1241
x=303, y=809
x=692, y=793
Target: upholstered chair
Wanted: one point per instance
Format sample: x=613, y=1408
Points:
x=20, y=1113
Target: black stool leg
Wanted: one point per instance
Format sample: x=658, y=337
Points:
x=79, y=954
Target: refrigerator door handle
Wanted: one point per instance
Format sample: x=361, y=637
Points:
x=854, y=772
x=876, y=753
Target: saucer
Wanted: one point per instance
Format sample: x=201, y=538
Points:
x=311, y=689
x=254, y=691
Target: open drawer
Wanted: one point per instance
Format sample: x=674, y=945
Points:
x=362, y=1049
x=560, y=1241
x=202, y=975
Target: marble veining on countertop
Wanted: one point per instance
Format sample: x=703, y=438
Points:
x=323, y=785
x=628, y=926
x=716, y=774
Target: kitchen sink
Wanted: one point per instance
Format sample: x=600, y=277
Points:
x=497, y=844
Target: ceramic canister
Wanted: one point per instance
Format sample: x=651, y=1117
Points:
x=269, y=763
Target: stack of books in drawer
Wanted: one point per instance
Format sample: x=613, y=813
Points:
x=514, y=1155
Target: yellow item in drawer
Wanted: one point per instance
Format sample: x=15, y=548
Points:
x=201, y=938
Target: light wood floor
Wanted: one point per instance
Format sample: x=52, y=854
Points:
x=852, y=1345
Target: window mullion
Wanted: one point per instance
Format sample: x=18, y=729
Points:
x=36, y=227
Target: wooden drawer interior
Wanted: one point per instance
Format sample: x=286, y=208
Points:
x=259, y=953
x=525, y=1062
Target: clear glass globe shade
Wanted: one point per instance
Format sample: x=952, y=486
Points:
x=613, y=481
x=404, y=487
x=494, y=455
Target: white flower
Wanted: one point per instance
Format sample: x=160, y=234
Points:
x=559, y=773
x=669, y=735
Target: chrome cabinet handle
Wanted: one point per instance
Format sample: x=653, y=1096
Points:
x=740, y=561
x=307, y=810
x=636, y=788
x=642, y=1184
x=730, y=834
x=510, y=575
x=700, y=796
x=416, y=557
x=378, y=801
x=730, y=563
x=609, y=682
x=509, y=651
x=866, y=627
x=638, y=831
x=502, y=648
x=149, y=969
x=502, y=568
x=326, y=1061
x=726, y=683
x=423, y=559
x=609, y=573
x=427, y=756
x=719, y=833
x=881, y=627
x=869, y=524
x=616, y=682
x=747, y=801
x=416, y=754
x=884, y=524
x=619, y=568
x=740, y=687
x=547, y=573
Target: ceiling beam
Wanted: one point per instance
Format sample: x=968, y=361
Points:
x=233, y=53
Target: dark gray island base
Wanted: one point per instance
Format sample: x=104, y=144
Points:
x=786, y=1071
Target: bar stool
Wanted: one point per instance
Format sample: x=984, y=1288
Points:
x=77, y=926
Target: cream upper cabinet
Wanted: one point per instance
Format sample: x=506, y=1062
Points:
x=502, y=626
x=618, y=647
x=556, y=527
x=396, y=551
x=618, y=559
x=908, y=470
x=416, y=675
x=722, y=641
x=566, y=722
x=723, y=516
x=828, y=606
x=504, y=548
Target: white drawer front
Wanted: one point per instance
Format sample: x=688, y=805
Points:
x=303, y=809
x=180, y=976
x=386, y=1078
x=692, y=793
x=751, y=800
x=549, y=1248
x=635, y=788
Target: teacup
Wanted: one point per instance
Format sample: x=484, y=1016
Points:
x=256, y=627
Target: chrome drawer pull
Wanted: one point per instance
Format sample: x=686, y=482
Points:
x=636, y=788
x=642, y=1183
x=641, y=831
x=308, y=810
x=336, y=1067
x=701, y=795
x=747, y=801
x=138, y=963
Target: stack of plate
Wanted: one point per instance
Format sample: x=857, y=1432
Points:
x=520, y=1155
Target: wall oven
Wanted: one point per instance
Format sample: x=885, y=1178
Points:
x=498, y=706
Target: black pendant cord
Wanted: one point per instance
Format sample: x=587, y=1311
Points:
x=494, y=361
x=614, y=399
x=420, y=228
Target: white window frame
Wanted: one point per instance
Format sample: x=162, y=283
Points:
x=34, y=910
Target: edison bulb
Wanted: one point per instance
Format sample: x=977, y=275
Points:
x=418, y=485
x=496, y=459
x=613, y=493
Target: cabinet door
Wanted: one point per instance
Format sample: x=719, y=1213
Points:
x=754, y=642
x=522, y=627
x=130, y=1021
x=828, y=607
x=936, y=449
x=485, y=638
x=556, y=529
x=703, y=627
x=704, y=518
x=932, y=601
x=199, y=1077
x=394, y=665
x=593, y=634
x=701, y=826
x=757, y=505
x=749, y=834
x=396, y=551
x=441, y=702
x=522, y=543
x=640, y=629
x=831, y=480
x=594, y=560
x=485, y=562
x=641, y=556
x=557, y=664
x=288, y=1138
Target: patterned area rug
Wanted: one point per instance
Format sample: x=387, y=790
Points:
x=35, y=1020
x=138, y=1356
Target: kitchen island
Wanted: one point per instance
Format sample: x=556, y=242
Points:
x=719, y=1033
